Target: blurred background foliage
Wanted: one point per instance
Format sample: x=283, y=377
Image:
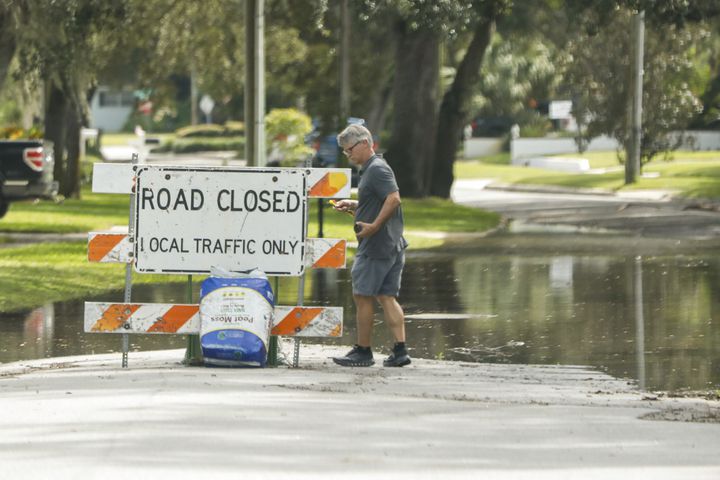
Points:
x=420, y=70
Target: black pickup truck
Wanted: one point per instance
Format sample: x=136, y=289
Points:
x=26, y=171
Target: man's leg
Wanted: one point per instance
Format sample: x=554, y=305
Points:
x=364, y=315
x=366, y=273
x=395, y=319
x=394, y=316
x=361, y=355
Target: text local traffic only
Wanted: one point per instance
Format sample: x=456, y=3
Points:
x=233, y=246
x=190, y=220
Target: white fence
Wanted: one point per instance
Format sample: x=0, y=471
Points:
x=523, y=148
x=701, y=140
x=482, y=147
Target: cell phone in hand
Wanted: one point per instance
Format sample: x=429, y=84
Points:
x=357, y=227
x=334, y=205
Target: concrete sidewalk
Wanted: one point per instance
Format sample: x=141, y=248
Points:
x=86, y=418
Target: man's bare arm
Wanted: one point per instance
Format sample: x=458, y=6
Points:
x=391, y=203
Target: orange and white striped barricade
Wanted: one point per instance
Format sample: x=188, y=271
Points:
x=163, y=318
x=329, y=182
x=220, y=184
x=141, y=318
x=325, y=253
x=109, y=247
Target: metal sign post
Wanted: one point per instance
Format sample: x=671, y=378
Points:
x=126, y=299
x=193, y=351
x=273, y=342
x=301, y=287
x=128, y=273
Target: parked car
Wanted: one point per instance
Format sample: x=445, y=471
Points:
x=26, y=171
x=491, y=126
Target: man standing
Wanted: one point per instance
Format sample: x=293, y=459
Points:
x=380, y=256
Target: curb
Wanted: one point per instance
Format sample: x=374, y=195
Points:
x=548, y=189
x=668, y=196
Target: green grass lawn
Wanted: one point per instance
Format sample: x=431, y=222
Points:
x=690, y=174
x=93, y=212
x=37, y=274
x=430, y=214
x=610, y=160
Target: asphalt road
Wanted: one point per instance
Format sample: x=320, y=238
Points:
x=86, y=418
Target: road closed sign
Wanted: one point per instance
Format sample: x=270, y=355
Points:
x=189, y=219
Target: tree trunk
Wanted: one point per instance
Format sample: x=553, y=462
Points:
x=454, y=113
x=7, y=43
x=379, y=102
x=7, y=50
x=711, y=102
x=70, y=188
x=411, y=145
x=56, y=128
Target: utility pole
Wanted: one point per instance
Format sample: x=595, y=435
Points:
x=632, y=165
x=193, y=95
x=344, y=63
x=255, y=83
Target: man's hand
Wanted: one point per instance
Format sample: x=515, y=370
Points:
x=365, y=230
x=347, y=206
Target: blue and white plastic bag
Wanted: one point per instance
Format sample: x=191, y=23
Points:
x=235, y=319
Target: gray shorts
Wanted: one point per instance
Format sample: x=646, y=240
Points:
x=378, y=276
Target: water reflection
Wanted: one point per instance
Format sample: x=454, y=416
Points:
x=639, y=324
x=38, y=329
x=56, y=330
x=649, y=319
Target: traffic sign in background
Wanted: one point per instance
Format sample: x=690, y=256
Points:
x=189, y=219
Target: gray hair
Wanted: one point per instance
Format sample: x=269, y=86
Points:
x=353, y=134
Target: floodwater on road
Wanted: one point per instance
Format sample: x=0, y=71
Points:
x=652, y=318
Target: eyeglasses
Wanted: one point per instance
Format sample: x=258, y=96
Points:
x=348, y=151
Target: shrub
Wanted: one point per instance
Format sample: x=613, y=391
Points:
x=286, y=129
x=14, y=132
x=536, y=127
x=210, y=130
x=203, y=130
x=233, y=128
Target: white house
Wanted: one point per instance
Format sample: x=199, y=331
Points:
x=110, y=108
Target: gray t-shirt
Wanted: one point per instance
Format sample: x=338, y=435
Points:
x=377, y=181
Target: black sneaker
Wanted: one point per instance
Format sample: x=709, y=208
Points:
x=398, y=358
x=357, y=357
